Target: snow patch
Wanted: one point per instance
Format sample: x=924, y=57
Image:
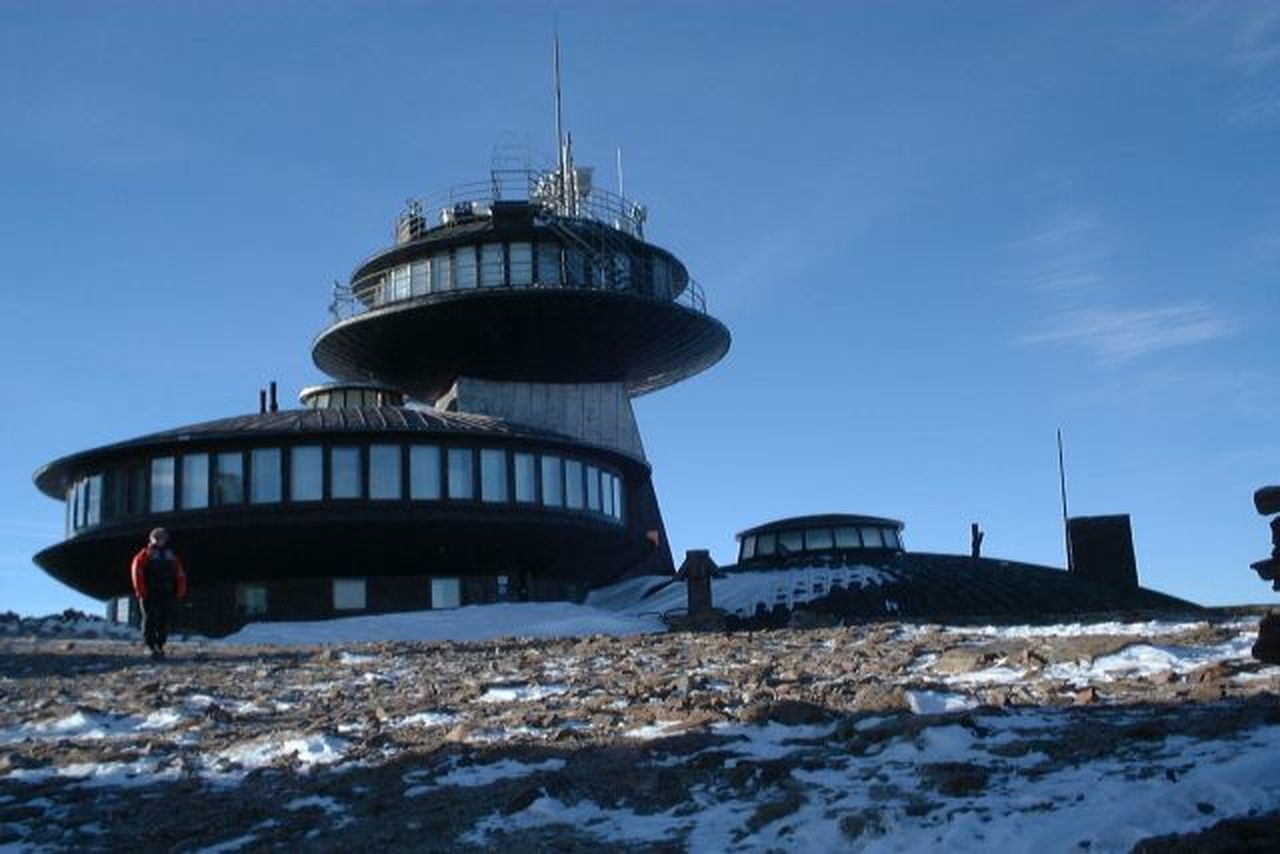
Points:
x=470, y=776
x=938, y=702
x=472, y=623
x=620, y=826
x=520, y=692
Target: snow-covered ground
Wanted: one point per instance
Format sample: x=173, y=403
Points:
x=631, y=607
x=604, y=734
x=472, y=623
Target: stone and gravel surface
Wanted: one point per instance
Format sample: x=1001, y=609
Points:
x=887, y=736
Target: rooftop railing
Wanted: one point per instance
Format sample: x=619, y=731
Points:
x=556, y=195
x=385, y=288
x=593, y=259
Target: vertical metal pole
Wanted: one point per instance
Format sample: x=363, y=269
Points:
x=559, y=125
x=621, y=188
x=1062, y=485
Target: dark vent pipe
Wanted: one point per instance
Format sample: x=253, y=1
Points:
x=275, y=407
x=262, y=401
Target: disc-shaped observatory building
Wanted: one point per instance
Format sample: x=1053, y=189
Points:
x=477, y=443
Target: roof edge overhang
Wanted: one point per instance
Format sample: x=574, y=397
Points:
x=820, y=519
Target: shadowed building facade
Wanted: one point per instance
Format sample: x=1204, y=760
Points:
x=477, y=444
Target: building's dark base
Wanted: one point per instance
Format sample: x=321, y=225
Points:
x=220, y=609
x=961, y=589
x=363, y=543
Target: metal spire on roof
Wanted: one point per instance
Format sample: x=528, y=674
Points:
x=560, y=151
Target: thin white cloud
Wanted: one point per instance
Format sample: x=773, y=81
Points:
x=1244, y=35
x=1118, y=335
x=1065, y=255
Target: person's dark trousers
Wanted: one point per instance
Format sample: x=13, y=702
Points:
x=156, y=611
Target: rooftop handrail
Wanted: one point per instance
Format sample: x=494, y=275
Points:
x=377, y=290
x=539, y=187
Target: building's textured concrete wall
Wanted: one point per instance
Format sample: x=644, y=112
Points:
x=599, y=413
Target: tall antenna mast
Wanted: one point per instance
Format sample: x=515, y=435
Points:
x=621, y=186
x=1062, y=484
x=560, y=153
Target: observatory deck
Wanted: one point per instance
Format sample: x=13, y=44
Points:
x=513, y=279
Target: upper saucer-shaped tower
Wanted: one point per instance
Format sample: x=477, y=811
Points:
x=532, y=277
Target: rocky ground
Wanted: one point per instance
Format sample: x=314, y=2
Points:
x=886, y=736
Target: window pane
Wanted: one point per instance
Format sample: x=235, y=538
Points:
x=617, y=498
x=847, y=538
x=892, y=539
x=195, y=481
x=441, y=272
x=400, y=282
x=748, y=548
x=137, y=489
x=464, y=267
x=384, y=471
x=446, y=592
x=871, y=538
x=424, y=472
x=114, y=487
x=418, y=277
x=228, y=478
x=348, y=594
x=552, y=482
x=77, y=504
x=593, y=488
x=573, y=484
x=161, y=484
x=344, y=473
x=766, y=544
x=306, y=473
x=549, y=264
x=521, y=261
x=790, y=541
x=622, y=267
x=526, y=482
x=493, y=474
x=661, y=278
x=818, y=538
x=460, y=473
x=93, y=500
x=264, y=464
x=575, y=271
x=491, y=265
x=251, y=600
x=606, y=493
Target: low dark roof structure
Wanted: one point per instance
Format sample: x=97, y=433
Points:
x=915, y=585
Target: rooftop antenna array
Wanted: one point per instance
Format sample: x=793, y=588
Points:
x=565, y=158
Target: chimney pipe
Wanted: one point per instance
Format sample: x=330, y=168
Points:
x=262, y=401
x=275, y=407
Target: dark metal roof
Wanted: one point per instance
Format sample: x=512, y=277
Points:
x=552, y=335
x=52, y=478
x=823, y=520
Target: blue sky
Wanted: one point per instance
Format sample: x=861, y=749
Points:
x=937, y=232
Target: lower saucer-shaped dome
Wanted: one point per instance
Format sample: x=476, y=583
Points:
x=354, y=495
x=549, y=335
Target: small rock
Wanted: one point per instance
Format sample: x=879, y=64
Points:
x=796, y=713
x=863, y=823
x=1087, y=696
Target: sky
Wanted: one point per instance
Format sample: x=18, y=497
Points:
x=938, y=233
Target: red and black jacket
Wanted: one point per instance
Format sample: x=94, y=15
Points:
x=138, y=570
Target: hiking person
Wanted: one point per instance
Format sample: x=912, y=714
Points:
x=159, y=581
